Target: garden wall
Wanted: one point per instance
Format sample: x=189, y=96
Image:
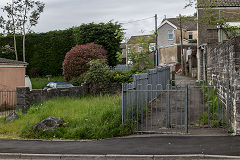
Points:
x=25, y=97
x=223, y=71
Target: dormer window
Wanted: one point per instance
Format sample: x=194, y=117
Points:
x=170, y=35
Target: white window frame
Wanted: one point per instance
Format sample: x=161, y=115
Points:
x=171, y=32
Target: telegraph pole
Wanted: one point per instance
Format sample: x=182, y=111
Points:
x=156, y=41
x=181, y=41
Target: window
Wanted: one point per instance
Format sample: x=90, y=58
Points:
x=139, y=49
x=190, y=35
x=170, y=35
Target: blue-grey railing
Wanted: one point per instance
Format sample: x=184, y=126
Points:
x=121, y=67
x=155, y=79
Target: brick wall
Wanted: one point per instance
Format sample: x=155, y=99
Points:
x=25, y=97
x=223, y=71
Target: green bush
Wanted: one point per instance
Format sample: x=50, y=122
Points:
x=100, y=79
x=77, y=81
x=122, y=76
x=77, y=59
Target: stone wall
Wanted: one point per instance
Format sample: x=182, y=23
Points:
x=25, y=97
x=223, y=71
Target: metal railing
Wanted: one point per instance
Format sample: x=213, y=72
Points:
x=154, y=79
x=121, y=67
x=7, y=102
x=175, y=107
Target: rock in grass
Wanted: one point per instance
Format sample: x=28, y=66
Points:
x=48, y=124
x=11, y=117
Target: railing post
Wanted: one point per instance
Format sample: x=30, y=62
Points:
x=168, y=107
x=124, y=102
x=228, y=101
x=186, y=109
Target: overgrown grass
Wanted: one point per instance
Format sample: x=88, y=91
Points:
x=38, y=83
x=84, y=118
x=214, y=116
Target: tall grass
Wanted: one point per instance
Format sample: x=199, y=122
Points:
x=214, y=115
x=38, y=83
x=84, y=118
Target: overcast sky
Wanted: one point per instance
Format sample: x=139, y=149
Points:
x=62, y=14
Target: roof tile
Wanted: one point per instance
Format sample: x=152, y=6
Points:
x=219, y=3
x=189, y=25
x=133, y=39
x=9, y=61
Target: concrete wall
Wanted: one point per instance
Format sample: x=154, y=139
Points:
x=172, y=54
x=25, y=97
x=168, y=55
x=223, y=71
x=11, y=77
x=163, y=35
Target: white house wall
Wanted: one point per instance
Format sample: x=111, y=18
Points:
x=163, y=35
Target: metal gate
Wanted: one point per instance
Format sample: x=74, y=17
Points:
x=7, y=102
x=174, y=108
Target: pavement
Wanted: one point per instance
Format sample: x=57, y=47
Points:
x=127, y=148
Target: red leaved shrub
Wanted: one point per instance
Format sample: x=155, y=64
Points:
x=77, y=59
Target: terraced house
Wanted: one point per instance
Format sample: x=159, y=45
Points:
x=169, y=41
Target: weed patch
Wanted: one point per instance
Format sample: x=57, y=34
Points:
x=83, y=118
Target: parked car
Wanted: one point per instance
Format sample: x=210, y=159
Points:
x=58, y=85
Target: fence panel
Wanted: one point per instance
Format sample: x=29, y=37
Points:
x=173, y=107
x=154, y=79
x=7, y=102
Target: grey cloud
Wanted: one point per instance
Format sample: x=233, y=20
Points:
x=61, y=14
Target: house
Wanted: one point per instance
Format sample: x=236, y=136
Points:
x=136, y=40
x=169, y=40
x=137, y=43
x=123, y=47
x=210, y=35
x=12, y=75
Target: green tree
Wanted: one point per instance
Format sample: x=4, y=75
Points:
x=11, y=23
x=139, y=53
x=109, y=35
x=29, y=13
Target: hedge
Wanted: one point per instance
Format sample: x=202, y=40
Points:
x=45, y=52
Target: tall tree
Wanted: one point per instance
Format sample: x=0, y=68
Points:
x=29, y=13
x=11, y=23
x=139, y=53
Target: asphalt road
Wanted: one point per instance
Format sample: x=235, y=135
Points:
x=153, y=145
